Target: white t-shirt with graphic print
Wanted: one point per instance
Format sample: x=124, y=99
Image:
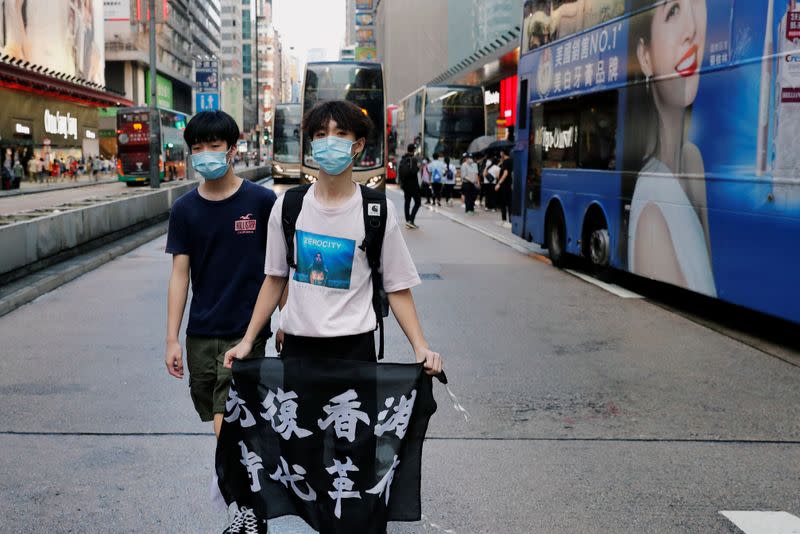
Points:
x=330, y=293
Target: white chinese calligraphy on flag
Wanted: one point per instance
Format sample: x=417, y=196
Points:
x=336, y=442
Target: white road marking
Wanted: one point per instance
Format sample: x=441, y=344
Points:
x=611, y=288
x=764, y=522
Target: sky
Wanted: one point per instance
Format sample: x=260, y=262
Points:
x=306, y=24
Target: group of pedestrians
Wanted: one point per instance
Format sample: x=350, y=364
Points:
x=486, y=181
x=44, y=170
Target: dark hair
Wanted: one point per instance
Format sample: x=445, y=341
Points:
x=436, y=155
x=640, y=131
x=347, y=115
x=447, y=160
x=208, y=126
x=411, y=148
x=504, y=151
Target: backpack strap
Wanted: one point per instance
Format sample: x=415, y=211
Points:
x=374, y=207
x=292, y=204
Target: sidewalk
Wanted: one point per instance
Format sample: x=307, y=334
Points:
x=28, y=187
x=487, y=223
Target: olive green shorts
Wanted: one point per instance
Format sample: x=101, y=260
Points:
x=209, y=380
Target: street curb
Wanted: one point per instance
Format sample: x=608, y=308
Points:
x=58, y=275
x=20, y=192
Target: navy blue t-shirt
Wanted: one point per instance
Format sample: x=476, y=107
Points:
x=226, y=241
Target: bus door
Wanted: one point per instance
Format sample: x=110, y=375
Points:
x=533, y=174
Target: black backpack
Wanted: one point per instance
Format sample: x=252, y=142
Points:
x=407, y=171
x=374, y=209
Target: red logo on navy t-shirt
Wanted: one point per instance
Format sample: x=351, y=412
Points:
x=245, y=225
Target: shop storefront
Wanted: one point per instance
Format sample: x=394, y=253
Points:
x=38, y=126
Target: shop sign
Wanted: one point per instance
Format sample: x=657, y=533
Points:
x=22, y=129
x=59, y=124
x=491, y=98
x=90, y=134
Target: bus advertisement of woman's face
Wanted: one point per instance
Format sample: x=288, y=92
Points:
x=710, y=134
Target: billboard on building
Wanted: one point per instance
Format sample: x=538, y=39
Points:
x=364, y=5
x=116, y=19
x=65, y=36
x=163, y=90
x=365, y=36
x=364, y=19
x=366, y=53
x=206, y=76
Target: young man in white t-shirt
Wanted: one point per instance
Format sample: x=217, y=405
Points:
x=329, y=311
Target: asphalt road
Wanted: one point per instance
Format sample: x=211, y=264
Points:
x=588, y=412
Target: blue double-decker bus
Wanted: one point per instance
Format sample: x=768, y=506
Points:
x=662, y=138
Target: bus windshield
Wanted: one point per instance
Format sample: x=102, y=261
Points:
x=359, y=84
x=286, y=137
x=454, y=116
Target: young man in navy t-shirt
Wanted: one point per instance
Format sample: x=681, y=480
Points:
x=217, y=236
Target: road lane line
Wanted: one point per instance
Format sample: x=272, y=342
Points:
x=611, y=288
x=752, y=522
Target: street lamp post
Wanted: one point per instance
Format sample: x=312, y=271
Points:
x=155, y=122
x=258, y=96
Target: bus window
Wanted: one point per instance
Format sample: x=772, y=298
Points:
x=559, y=135
x=597, y=132
x=579, y=133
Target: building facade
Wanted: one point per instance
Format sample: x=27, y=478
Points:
x=232, y=81
x=53, y=82
x=471, y=42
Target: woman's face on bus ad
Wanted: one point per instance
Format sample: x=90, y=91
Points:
x=674, y=54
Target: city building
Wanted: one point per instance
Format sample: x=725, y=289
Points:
x=127, y=50
x=232, y=86
x=350, y=20
x=471, y=42
x=53, y=82
x=250, y=114
x=348, y=53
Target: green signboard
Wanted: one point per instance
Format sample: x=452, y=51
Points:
x=163, y=90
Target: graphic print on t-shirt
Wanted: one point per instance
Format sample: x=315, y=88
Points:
x=324, y=260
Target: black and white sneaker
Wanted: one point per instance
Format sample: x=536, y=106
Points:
x=251, y=524
x=236, y=525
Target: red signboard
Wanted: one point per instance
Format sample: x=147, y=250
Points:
x=508, y=100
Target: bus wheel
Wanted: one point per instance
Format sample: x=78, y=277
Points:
x=600, y=247
x=556, y=237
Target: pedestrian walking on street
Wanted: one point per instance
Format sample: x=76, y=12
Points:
x=40, y=170
x=490, y=174
x=19, y=173
x=217, y=238
x=503, y=187
x=425, y=181
x=337, y=319
x=469, y=183
x=449, y=181
x=32, y=169
x=437, y=169
x=408, y=172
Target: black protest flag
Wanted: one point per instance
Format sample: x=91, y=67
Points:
x=336, y=442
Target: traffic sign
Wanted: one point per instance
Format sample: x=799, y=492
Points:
x=206, y=101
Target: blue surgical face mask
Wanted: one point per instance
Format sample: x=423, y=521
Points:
x=333, y=154
x=211, y=165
